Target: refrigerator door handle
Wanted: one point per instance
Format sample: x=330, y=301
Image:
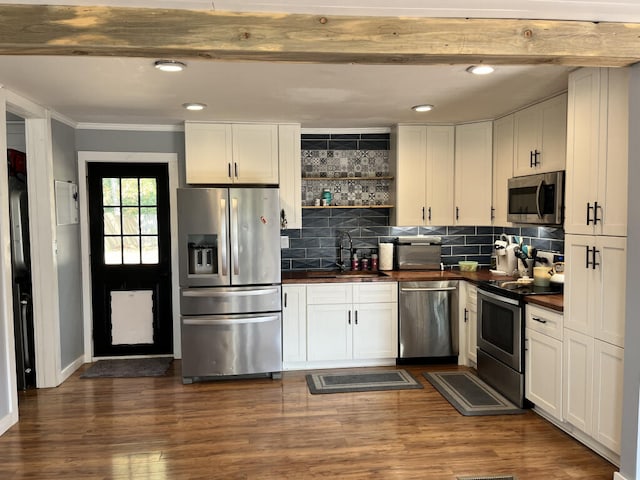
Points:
x=214, y=292
x=234, y=237
x=222, y=241
x=211, y=320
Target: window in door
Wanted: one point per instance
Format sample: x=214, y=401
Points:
x=130, y=211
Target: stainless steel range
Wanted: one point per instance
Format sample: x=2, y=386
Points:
x=501, y=324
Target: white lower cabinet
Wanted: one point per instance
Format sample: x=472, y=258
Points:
x=344, y=324
x=543, y=357
x=578, y=379
x=294, y=323
x=593, y=388
x=607, y=389
x=468, y=309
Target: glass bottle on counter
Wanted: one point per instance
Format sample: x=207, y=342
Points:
x=364, y=263
x=355, y=265
x=374, y=262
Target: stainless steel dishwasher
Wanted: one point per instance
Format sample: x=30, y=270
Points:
x=428, y=320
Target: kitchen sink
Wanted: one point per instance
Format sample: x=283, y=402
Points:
x=345, y=274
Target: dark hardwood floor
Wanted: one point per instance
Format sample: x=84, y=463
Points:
x=157, y=429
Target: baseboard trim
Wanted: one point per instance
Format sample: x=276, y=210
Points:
x=324, y=364
x=618, y=476
x=71, y=368
x=581, y=437
x=8, y=421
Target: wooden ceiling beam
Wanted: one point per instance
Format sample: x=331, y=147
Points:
x=167, y=33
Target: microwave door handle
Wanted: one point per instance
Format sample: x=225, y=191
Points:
x=538, y=191
x=222, y=241
x=235, y=254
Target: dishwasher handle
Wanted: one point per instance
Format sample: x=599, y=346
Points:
x=427, y=289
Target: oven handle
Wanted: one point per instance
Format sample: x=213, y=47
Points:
x=423, y=289
x=498, y=298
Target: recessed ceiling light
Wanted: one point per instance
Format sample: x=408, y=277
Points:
x=170, y=65
x=422, y=108
x=194, y=106
x=480, y=69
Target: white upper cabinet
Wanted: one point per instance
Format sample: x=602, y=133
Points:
x=473, y=178
x=290, y=166
x=423, y=163
x=540, y=134
x=502, y=167
x=597, y=152
x=231, y=153
x=208, y=152
x=595, y=286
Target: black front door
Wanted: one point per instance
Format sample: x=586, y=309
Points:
x=130, y=258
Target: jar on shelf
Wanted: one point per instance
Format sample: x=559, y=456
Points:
x=326, y=195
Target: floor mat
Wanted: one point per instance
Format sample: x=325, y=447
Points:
x=129, y=368
x=470, y=395
x=361, y=381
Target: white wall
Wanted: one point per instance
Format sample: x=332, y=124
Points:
x=629, y=456
x=68, y=259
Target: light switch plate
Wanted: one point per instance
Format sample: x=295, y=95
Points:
x=284, y=241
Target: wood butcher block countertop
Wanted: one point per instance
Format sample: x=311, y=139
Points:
x=553, y=302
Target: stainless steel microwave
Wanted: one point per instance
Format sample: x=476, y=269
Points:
x=537, y=199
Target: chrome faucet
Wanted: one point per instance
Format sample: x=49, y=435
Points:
x=345, y=265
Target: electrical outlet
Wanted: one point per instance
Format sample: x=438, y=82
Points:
x=284, y=241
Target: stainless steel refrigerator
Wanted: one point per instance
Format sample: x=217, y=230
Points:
x=230, y=284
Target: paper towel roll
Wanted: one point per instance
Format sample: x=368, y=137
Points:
x=386, y=256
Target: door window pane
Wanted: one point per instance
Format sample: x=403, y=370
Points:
x=125, y=221
x=150, y=250
x=113, y=250
x=110, y=191
x=148, y=191
x=130, y=221
x=111, y=220
x=131, y=250
x=130, y=191
x=149, y=220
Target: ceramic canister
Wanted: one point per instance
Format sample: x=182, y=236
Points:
x=541, y=276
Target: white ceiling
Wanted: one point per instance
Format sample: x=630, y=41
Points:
x=131, y=91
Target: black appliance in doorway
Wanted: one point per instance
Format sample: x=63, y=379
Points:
x=501, y=327
x=21, y=271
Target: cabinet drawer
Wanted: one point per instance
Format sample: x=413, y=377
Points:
x=544, y=321
x=375, y=292
x=329, y=293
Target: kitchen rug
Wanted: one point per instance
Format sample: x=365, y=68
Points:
x=361, y=381
x=470, y=395
x=129, y=368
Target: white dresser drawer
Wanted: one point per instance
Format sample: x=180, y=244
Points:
x=543, y=320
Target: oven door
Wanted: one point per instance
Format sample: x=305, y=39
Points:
x=500, y=329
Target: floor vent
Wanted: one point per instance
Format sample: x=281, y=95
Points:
x=490, y=477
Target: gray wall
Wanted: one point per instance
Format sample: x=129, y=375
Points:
x=133, y=141
x=629, y=460
x=68, y=257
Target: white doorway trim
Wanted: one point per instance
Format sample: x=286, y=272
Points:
x=84, y=158
x=42, y=232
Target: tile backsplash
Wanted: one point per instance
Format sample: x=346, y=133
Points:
x=342, y=156
x=343, y=162
x=316, y=244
